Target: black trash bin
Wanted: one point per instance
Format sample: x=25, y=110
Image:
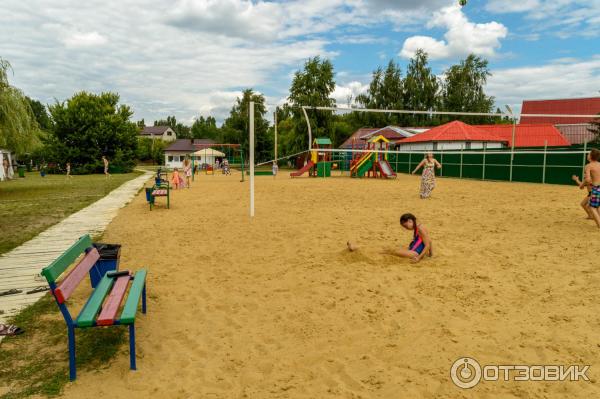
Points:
x=109, y=260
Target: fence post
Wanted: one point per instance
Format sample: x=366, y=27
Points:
x=584, y=159
x=544, y=170
x=442, y=162
x=461, y=159
x=483, y=173
x=409, y=158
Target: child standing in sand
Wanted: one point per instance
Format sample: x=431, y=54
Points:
x=420, y=245
x=592, y=179
x=176, y=180
x=187, y=170
x=585, y=202
x=275, y=168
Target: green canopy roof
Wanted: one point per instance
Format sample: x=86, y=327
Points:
x=322, y=141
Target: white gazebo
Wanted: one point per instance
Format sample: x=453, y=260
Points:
x=207, y=156
x=5, y=154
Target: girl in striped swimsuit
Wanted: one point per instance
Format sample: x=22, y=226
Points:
x=420, y=245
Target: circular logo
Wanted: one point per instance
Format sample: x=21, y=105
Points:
x=465, y=373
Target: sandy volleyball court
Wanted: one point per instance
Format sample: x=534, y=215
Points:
x=277, y=308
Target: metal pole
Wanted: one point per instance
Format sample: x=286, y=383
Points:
x=442, y=162
x=544, y=170
x=584, y=159
x=251, y=158
x=461, y=159
x=275, y=119
x=409, y=160
x=512, y=148
x=483, y=172
x=309, y=128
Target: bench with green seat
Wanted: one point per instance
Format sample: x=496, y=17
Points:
x=103, y=305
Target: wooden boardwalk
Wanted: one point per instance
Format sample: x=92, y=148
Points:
x=20, y=268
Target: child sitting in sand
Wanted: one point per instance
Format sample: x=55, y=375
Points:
x=420, y=245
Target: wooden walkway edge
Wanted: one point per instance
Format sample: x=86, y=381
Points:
x=20, y=268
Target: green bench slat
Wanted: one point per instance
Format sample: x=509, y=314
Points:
x=88, y=314
x=60, y=264
x=133, y=298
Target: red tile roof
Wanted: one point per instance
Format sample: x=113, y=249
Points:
x=574, y=106
x=532, y=135
x=453, y=131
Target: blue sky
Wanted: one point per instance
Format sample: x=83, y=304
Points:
x=193, y=57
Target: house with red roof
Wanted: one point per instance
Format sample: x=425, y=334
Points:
x=575, y=129
x=567, y=106
x=454, y=135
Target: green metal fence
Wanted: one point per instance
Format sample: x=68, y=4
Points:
x=534, y=165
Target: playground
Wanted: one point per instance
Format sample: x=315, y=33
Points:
x=277, y=307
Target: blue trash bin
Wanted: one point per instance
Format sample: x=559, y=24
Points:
x=110, y=255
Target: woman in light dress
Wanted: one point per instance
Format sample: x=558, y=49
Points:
x=429, y=163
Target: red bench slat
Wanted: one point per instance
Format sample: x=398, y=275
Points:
x=111, y=306
x=68, y=285
x=159, y=193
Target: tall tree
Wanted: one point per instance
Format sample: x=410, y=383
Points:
x=19, y=131
x=40, y=113
x=464, y=89
x=385, y=92
x=311, y=86
x=205, y=128
x=421, y=89
x=236, y=126
x=88, y=126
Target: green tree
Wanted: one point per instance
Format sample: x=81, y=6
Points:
x=150, y=150
x=311, y=86
x=40, y=113
x=463, y=89
x=421, y=89
x=385, y=92
x=236, y=127
x=88, y=126
x=205, y=128
x=19, y=131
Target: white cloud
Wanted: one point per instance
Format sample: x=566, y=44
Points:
x=563, y=18
x=88, y=39
x=462, y=36
x=562, y=78
x=345, y=94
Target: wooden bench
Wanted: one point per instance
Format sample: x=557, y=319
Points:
x=160, y=190
x=103, y=305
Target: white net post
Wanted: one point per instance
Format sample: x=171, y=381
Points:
x=251, y=113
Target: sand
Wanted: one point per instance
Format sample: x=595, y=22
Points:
x=277, y=307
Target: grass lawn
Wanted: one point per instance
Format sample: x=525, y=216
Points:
x=29, y=206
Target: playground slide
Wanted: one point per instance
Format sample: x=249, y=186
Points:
x=365, y=167
x=360, y=162
x=386, y=169
x=303, y=170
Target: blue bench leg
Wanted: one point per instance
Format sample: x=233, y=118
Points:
x=132, y=347
x=72, y=367
x=144, y=299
